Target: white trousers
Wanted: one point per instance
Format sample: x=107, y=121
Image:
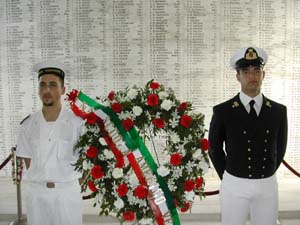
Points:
x=61, y=205
x=241, y=198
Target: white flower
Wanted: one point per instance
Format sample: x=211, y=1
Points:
x=132, y=93
x=166, y=104
x=93, y=129
x=99, y=198
x=174, y=137
x=171, y=185
x=189, y=196
x=119, y=204
x=189, y=167
x=137, y=110
x=86, y=165
x=174, y=123
x=177, y=172
x=108, y=154
x=117, y=173
x=203, y=165
x=133, y=181
x=162, y=95
x=102, y=141
x=146, y=221
x=124, y=115
x=106, y=103
x=163, y=171
x=197, y=154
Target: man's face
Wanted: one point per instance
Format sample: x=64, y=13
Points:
x=50, y=89
x=251, y=79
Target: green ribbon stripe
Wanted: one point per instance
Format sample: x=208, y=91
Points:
x=134, y=141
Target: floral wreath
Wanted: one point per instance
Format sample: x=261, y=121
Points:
x=119, y=170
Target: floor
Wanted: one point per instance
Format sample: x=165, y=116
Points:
x=204, y=212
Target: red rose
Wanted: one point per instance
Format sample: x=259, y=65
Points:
x=159, y=123
x=116, y=107
x=154, y=85
x=185, y=207
x=204, y=144
x=91, y=118
x=111, y=95
x=175, y=159
x=97, y=172
x=92, y=152
x=152, y=100
x=128, y=216
x=92, y=186
x=141, y=191
x=127, y=124
x=186, y=121
x=199, y=182
x=72, y=96
x=189, y=185
x=183, y=106
x=122, y=189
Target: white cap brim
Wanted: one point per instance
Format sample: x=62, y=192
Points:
x=240, y=53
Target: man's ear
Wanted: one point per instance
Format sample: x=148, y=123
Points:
x=63, y=90
x=237, y=75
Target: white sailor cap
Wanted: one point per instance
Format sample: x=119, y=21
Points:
x=55, y=67
x=247, y=56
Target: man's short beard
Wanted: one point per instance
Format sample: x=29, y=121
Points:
x=48, y=104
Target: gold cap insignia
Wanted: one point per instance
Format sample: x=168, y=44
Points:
x=250, y=54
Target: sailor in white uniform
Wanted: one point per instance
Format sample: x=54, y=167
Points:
x=46, y=143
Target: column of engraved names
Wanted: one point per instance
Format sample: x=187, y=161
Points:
x=164, y=38
x=128, y=43
x=90, y=46
x=292, y=75
x=19, y=20
x=52, y=33
x=202, y=65
x=238, y=30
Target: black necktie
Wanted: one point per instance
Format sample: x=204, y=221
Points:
x=252, y=113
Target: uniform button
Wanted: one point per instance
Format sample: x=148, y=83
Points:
x=262, y=175
x=265, y=150
x=249, y=158
x=266, y=140
x=249, y=141
x=263, y=167
x=267, y=131
x=244, y=132
x=265, y=159
x=49, y=139
x=249, y=149
x=250, y=175
x=249, y=167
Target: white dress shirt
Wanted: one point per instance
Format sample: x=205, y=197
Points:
x=245, y=99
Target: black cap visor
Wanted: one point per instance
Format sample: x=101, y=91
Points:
x=244, y=63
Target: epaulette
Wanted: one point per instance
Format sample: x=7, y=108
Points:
x=25, y=119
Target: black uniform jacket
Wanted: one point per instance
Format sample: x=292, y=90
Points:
x=245, y=147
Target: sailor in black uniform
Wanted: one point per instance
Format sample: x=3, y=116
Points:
x=248, y=137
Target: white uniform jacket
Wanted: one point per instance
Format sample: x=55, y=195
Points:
x=50, y=146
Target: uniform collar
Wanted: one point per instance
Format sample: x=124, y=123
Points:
x=245, y=99
x=60, y=115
